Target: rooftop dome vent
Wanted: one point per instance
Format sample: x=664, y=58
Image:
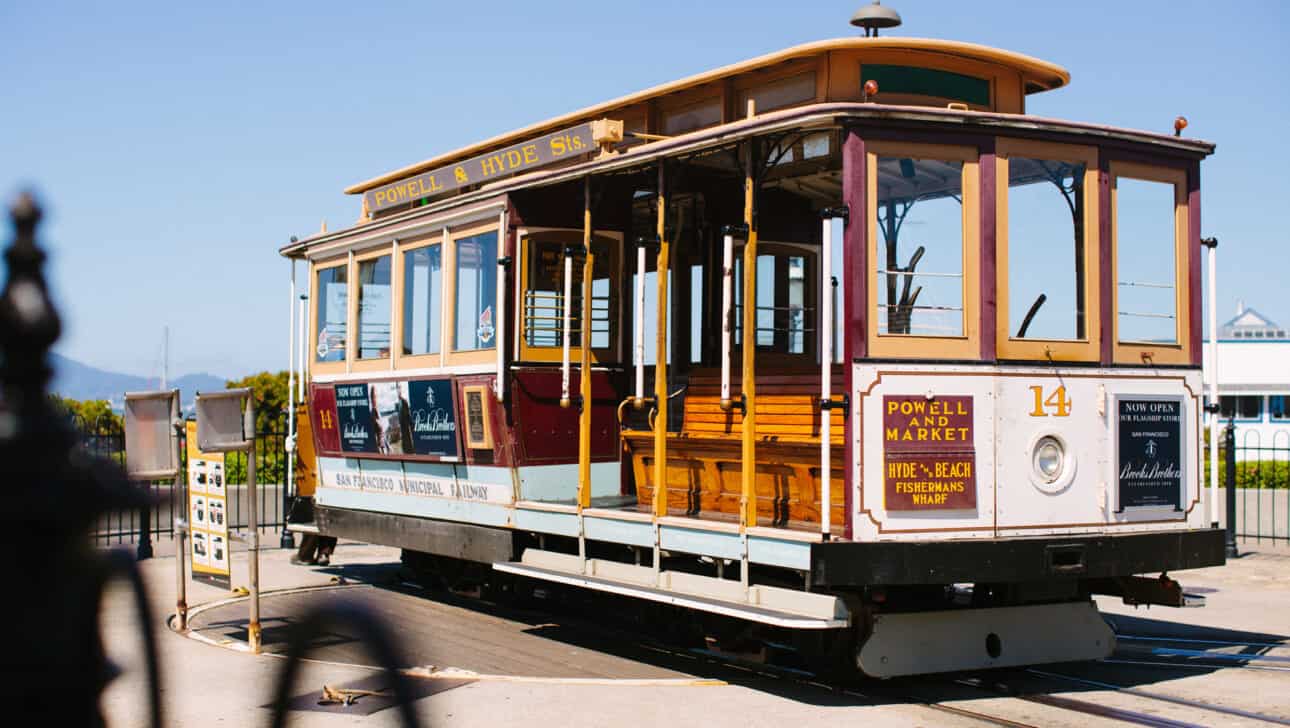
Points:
x=873, y=17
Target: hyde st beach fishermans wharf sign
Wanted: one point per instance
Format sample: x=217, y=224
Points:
x=929, y=453
x=1150, y=453
x=529, y=155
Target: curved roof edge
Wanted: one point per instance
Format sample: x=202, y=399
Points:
x=1035, y=72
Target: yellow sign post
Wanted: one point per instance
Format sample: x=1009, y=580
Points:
x=208, y=513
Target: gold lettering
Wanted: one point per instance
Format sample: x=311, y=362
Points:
x=489, y=166
x=530, y=154
x=893, y=433
x=460, y=174
x=558, y=147
x=513, y=159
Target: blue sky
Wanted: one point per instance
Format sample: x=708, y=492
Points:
x=176, y=146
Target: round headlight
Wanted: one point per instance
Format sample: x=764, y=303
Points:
x=1048, y=459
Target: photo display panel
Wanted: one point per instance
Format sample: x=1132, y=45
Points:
x=416, y=418
x=208, y=514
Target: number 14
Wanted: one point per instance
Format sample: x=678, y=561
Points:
x=1056, y=401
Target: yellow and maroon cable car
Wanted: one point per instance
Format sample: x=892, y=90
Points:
x=838, y=340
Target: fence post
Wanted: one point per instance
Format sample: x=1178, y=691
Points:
x=288, y=539
x=144, y=550
x=1229, y=482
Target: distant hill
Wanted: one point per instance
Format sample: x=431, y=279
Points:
x=74, y=380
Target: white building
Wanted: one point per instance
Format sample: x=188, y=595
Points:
x=1253, y=380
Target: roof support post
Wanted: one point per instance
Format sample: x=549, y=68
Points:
x=660, y=356
x=584, y=364
x=748, y=469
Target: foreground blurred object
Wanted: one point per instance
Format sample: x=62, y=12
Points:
x=55, y=666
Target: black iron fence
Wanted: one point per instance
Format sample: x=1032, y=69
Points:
x=1255, y=462
x=106, y=439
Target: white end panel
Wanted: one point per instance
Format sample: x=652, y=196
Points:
x=1098, y=488
x=925, y=453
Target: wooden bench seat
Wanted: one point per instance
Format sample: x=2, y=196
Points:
x=704, y=460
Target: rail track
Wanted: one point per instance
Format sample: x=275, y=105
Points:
x=1016, y=698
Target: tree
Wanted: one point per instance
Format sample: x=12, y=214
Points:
x=270, y=393
x=95, y=414
x=269, y=390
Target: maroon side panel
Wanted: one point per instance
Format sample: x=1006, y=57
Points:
x=548, y=433
x=855, y=253
x=501, y=454
x=1105, y=283
x=322, y=415
x=1193, y=268
x=988, y=283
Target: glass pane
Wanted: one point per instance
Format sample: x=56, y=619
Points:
x=919, y=266
x=696, y=314
x=1279, y=407
x=331, y=296
x=783, y=289
x=651, y=313
x=1145, y=265
x=1046, y=249
x=476, y=271
x=374, y=308
x=422, y=300
x=1227, y=407
x=1249, y=408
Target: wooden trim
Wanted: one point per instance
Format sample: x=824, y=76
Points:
x=1086, y=349
x=1139, y=353
x=989, y=252
x=486, y=441
x=966, y=346
x=854, y=265
x=1105, y=277
x=1193, y=263
x=453, y=357
x=529, y=353
x=418, y=361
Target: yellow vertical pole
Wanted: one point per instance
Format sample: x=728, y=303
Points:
x=748, y=469
x=660, y=359
x=584, y=364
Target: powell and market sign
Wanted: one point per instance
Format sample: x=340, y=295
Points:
x=529, y=155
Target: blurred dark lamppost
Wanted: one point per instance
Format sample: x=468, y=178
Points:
x=54, y=665
x=1229, y=482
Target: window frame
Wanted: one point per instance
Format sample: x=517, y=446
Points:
x=372, y=364
x=910, y=346
x=1006, y=346
x=436, y=359
x=810, y=355
x=316, y=267
x=1141, y=353
x=528, y=353
x=451, y=355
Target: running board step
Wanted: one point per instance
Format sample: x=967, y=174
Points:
x=758, y=603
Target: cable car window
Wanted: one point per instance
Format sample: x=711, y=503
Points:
x=331, y=296
x=476, y=288
x=919, y=270
x=785, y=323
x=1046, y=250
x=543, y=299
x=1146, y=277
x=374, y=308
x=422, y=300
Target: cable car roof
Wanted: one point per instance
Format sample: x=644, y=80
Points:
x=1036, y=75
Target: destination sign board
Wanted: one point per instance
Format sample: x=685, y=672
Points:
x=929, y=453
x=1150, y=453
x=523, y=157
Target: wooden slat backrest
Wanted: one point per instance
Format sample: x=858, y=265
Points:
x=787, y=406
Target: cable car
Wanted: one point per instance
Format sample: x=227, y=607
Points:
x=838, y=342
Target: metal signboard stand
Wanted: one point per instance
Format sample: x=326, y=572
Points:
x=226, y=423
x=152, y=425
